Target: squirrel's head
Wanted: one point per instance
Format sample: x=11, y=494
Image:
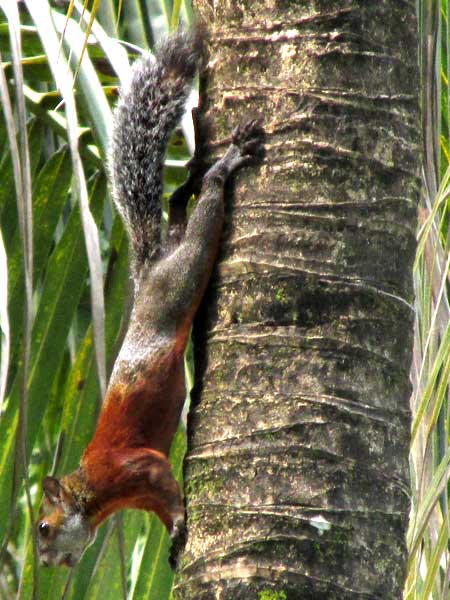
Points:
x=63, y=531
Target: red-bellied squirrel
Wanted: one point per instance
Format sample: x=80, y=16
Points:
x=126, y=463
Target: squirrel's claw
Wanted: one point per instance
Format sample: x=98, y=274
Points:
x=249, y=137
x=178, y=537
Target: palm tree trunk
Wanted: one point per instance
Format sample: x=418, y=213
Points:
x=297, y=473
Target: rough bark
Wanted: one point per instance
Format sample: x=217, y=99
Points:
x=297, y=474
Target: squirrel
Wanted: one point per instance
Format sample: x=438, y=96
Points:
x=126, y=463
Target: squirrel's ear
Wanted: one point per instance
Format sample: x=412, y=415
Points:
x=52, y=489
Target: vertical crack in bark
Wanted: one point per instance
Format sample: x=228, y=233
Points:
x=297, y=475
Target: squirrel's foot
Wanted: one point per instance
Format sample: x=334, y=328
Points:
x=249, y=138
x=247, y=145
x=178, y=537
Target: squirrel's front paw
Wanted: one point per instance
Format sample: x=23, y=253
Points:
x=178, y=537
x=249, y=137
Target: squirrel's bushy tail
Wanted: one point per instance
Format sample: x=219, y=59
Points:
x=145, y=116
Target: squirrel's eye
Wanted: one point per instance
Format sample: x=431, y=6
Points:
x=44, y=529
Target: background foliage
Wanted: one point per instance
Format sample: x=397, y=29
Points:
x=46, y=423
x=429, y=567
x=58, y=251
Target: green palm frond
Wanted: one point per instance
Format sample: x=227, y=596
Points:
x=429, y=563
x=79, y=257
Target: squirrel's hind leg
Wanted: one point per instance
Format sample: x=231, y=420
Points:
x=191, y=187
x=179, y=280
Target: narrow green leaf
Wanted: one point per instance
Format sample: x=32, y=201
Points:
x=8, y=208
x=93, y=94
x=106, y=580
x=49, y=198
x=419, y=523
x=115, y=52
x=138, y=25
x=30, y=40
x=37, y=104
x=441, y=359
x=435, y=560
x=106, y=15
x=4, y=322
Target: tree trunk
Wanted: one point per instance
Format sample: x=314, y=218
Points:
x=297, y=478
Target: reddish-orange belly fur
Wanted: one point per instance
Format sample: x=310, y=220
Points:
x=144, y=412
x=133, y=437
